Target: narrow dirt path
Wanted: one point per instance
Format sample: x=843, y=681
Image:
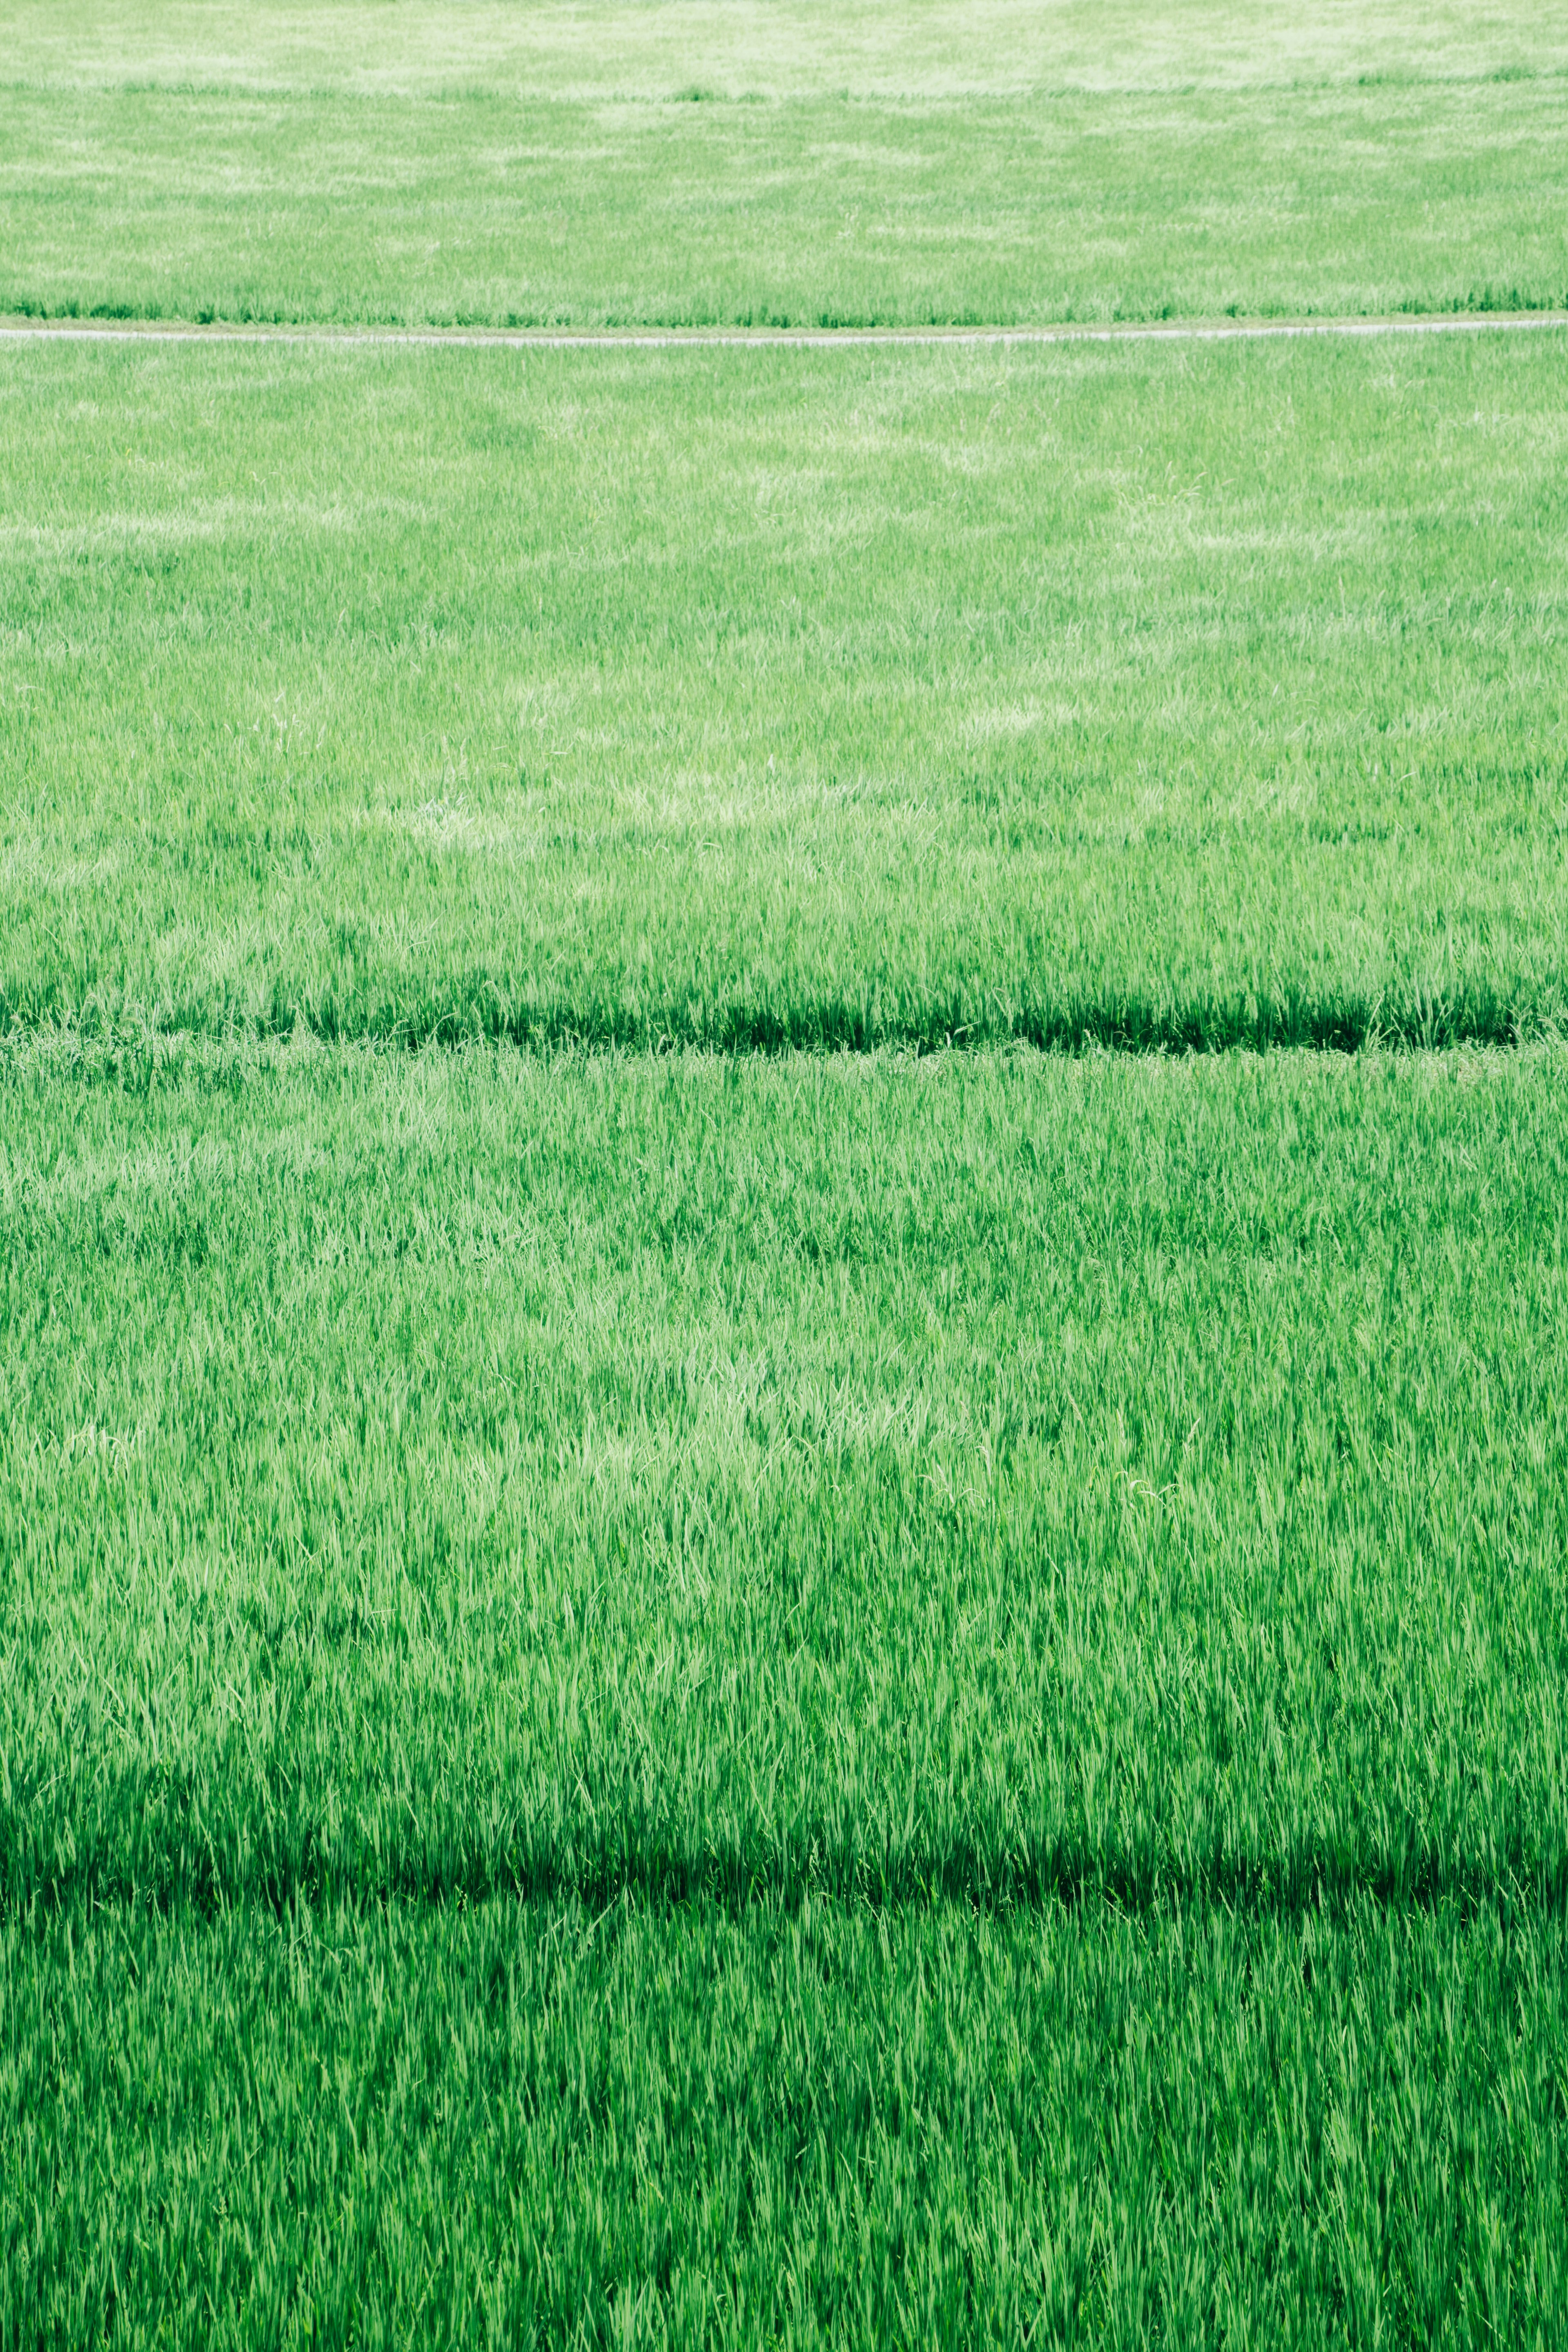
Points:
x=664, y=339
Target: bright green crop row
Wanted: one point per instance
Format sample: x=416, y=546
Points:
x=847, y=165
x=1000, y=1476
x=1149, y=695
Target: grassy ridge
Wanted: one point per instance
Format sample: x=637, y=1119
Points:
x=1153, y=695
x=1015, y=1479
x=799, y=2125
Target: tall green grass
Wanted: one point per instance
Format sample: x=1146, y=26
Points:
x=520, y=2123
x=703, y=1699
x=1022, y=1479
x=1158, y=696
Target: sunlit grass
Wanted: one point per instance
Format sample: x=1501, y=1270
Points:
x=776, y=48
x=932, y=164
x=1149, y=696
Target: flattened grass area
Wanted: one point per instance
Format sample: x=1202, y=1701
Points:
x=1156, y=695
x=800, y=165
x=836, y=1696
x=653, y=1692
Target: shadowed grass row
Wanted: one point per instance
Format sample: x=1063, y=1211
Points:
x=1151, y=697
x=993, y=1477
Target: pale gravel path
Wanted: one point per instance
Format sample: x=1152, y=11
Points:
x=657, y=338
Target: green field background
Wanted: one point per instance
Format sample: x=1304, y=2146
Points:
x=784, y=1226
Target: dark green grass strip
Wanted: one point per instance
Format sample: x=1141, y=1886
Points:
x=871, y=1020
x=803, y=2124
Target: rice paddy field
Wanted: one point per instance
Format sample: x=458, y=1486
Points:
x=783, y=1178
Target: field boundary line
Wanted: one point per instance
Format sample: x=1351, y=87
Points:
x=663, y=338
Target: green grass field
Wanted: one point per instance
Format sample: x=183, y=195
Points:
x=1148, y=695
x=706, y=1681
x=840, y=165
x=784, y=1183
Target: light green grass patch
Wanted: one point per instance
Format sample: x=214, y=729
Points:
x=622, y=48
x=1157, y=696
x=547, y=166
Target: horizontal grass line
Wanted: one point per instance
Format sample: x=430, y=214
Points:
x=23, y=325
x=1054, y=1877
x=1346, y=1025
